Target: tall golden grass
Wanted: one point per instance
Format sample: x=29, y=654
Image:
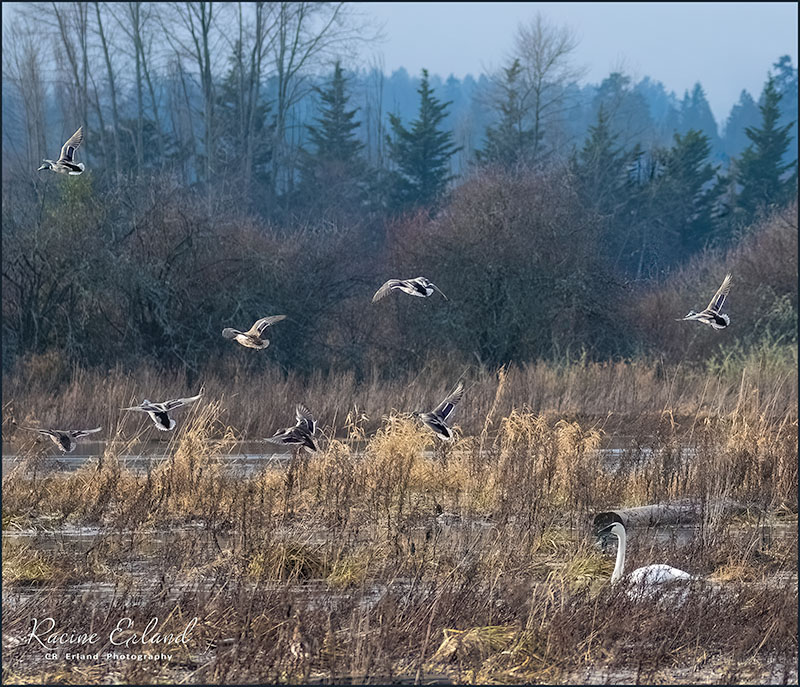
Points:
x=621, y=393
x=389, y=554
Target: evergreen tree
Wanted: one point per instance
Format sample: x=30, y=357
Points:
x=422, y=154
x=786, y=85
x=334, y=133
x=688, y=193
x=671, y=204
x=509, y=142
x=333, y=173
x=600, y=167
x=663, y=108
x=696, y=114
x=761, y=170
x=743, y=114
x=626, y=109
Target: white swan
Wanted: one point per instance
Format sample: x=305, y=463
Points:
x=643, y=580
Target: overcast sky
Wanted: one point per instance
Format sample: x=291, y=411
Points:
x=724, y=46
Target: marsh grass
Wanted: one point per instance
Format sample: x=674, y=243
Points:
x=623, y=396
x=390, y=556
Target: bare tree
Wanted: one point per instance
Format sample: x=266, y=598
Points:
x=180, y=112
x=308, y=34
x=195, y=35
x=72, y=20
x=112, y=83
x=67, y=24
x=373, y=124
x=136, y=19
x=23, y=67
x=254, y=39
x=545, y=53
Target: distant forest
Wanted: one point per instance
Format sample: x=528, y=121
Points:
x=244, y=147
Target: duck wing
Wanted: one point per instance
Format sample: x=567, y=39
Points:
x=290, y=435
x=719, y=297
x=260, y=325
x=178, y=402
x=72, y=144
x=386, y=288
x=305, y=419
x=45, y=432
x=78, y=433
x=436, y=288
x=446, y=407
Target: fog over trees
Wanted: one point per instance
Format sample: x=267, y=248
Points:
x=247, y=159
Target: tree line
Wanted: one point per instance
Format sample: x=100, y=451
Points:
x=217, y=180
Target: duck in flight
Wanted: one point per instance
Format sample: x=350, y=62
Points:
x=302, y=434
x=437, y=420
x=64, y=438
x=712, y=315
x=159, y=412
x=66, y=163
x=420, y=286
x=253, y=337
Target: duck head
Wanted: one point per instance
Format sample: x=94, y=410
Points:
x=45, y=165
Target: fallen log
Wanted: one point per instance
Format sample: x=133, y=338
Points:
x=681, y=513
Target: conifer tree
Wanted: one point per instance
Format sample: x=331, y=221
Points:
x=600, y=166
x=743, y=114
x=334, y=133
x=696, y=114
x=786, y=85
x=333, y=172
x=626, y=109
x=422, y=153
x=509, y=142
x=689, y=199
x=762, y=173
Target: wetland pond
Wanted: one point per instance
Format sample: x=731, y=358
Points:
x=298, y=577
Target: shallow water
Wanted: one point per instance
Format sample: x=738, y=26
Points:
x=248, y=457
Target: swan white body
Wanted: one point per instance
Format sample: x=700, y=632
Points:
x=647, y=578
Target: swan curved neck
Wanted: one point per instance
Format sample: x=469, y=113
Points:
x=620, y=564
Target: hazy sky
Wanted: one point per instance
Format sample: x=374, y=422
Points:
x=724, y=46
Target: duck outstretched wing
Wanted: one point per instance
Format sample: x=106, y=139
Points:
x=305, y=419
x=719, y=297
x=72, y=144
x=446, y=407
x=260, y=325
x=178, y=402
x=386, y=288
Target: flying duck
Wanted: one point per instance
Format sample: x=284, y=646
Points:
x=159, y=412
x=302, y=434
x=437, y=420
x=711, y=315
x=420, y=286
x=253, y=337
x=65, y=163
x=64, y=438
